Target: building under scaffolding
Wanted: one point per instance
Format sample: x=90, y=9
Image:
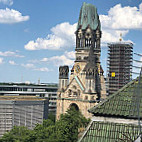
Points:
x=120, y=56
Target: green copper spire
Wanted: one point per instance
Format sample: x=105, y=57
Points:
x=88, y=16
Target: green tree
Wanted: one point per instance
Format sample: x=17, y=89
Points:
x=17, y=134
x=63, y=130
x=43, y=131
x=71, y=122
x=52, y=116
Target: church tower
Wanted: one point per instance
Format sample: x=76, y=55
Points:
x=86, y=83
x=63, y=77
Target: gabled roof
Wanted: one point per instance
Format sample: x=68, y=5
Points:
x=123, y=103
x=76, y=78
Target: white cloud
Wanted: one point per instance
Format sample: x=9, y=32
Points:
x=33, y=67
x=12, y=63
x=1, y=60
x=111, y=35
x=119, y=20
x=70, y=55
x=30, y=66
x=62, y=37
x=61, y=60
x=11, y=16
x=10, y=54
x=66, y=59
x=44, y=60
x=44, y=69
x=123, y=17
x=7, y=2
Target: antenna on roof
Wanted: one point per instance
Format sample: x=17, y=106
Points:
x=39, y=81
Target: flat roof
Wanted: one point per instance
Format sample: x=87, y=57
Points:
x=29, y=84
x=21, y=98
x=120, y=43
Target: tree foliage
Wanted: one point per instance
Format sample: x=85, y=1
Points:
x=17, y=134
x=63, y=130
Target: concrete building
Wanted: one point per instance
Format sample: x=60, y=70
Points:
x=21, y=111
x=40, y=90
x=120, y=56
x=86, y=83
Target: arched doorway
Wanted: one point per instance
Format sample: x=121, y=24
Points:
x=74, y=106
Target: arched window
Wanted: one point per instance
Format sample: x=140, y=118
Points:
x=86, y=97
x=69, y=93
x=78, y=58
x=74, y=87
x=88, y=42
x=62, y=83
x=74, y=94
x=90, y=83
x=74, y=106
x=80, y=43
x=85, y=58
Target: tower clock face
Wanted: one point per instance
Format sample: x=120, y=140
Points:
x=77, y=68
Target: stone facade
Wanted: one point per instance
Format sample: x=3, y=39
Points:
x=85, y=86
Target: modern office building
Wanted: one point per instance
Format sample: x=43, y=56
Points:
x=21, y=111
x=40, y=90
x=120, y=56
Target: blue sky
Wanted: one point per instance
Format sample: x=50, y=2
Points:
x=37, y=36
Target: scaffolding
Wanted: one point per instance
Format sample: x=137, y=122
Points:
x=120, y=56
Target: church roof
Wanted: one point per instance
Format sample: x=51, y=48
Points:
x=110, y=132
x=76, y=78
x=115, y=119
x=124, y=103
x=88, y=16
